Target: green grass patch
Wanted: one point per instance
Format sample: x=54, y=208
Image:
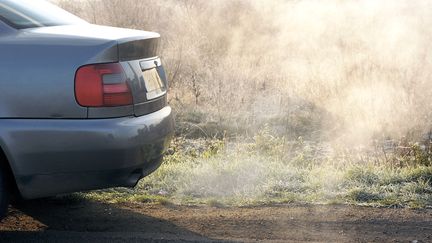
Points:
x=272, y=170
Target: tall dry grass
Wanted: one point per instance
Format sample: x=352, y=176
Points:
x=334, y=73
x=352, y=69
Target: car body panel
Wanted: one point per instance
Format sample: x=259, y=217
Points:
x=51, y=148
x=46, y=59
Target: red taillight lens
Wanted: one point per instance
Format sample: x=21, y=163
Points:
x=102, y=85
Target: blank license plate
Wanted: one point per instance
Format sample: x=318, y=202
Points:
x=154, y=84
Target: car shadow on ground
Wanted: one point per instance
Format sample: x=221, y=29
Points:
x=62, y=220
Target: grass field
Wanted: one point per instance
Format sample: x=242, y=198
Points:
x=268, y=169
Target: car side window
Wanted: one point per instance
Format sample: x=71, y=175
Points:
x=34, y=13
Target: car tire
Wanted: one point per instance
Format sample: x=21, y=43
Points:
x=4, y=194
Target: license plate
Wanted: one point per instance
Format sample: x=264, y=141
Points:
x=154, y=85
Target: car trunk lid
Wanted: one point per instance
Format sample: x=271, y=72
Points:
x=136, y=51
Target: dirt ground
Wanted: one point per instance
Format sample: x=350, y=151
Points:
x=53, y=220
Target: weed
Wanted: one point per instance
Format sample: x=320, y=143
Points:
x=361, y=195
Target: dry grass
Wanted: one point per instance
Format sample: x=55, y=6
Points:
x=340, y=83
x=345, y=70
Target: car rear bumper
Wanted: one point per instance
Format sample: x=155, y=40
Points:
x=50, y=157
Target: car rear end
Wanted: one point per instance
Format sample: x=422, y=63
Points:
x=85, y=107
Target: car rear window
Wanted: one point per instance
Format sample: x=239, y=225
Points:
x=22, y=14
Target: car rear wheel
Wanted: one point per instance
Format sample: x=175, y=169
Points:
x=4, y=193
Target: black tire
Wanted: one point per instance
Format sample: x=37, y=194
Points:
x=4, y=193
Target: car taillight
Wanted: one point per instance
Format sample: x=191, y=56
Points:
x=102, y=85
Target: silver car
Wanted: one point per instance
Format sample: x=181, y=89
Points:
x=82, y=106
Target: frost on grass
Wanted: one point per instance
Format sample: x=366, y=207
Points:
x=279, y=171
x=267, y=169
